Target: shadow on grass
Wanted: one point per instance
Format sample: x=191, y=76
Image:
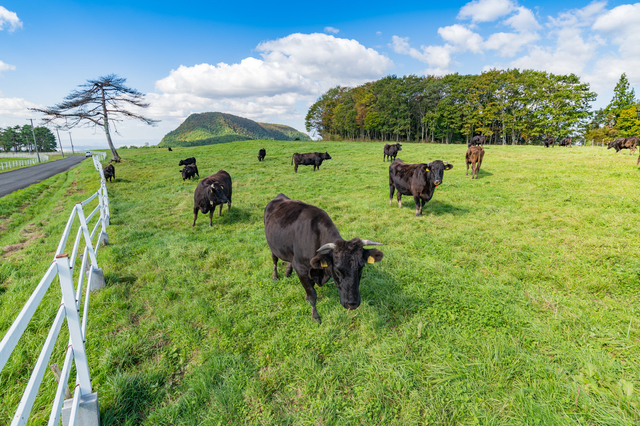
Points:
x=435, y=207
x=114, y=279
x=119, y=180
x=381, y=293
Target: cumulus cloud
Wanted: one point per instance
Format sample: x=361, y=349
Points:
x=293, y=69
x=462, y=38
x=486, y=10
x=9, y=20
x=331, y=30
x=16, y=107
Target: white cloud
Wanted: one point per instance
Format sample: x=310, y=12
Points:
x=331, y=30
x=486, y=10
x=16, y=107
x=293, y=70
x=6, y=67
x=462, y=38
x=9, y=19
x=523, y=21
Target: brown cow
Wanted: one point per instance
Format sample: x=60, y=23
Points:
x=474, y=157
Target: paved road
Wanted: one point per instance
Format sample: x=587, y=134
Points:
x=21, y=178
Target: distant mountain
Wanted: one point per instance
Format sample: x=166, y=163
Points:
x=210, y=128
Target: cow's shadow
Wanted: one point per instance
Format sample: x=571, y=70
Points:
x=235, y=215
x=434, y=207
x=380, y=293
x=119, y=180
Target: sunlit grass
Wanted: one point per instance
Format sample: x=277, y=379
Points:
x=514, y=299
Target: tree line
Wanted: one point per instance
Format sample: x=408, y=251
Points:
x=506, y=106
x=20, y=138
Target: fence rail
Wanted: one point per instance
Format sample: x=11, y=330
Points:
x=62, y=267
x=21, y=163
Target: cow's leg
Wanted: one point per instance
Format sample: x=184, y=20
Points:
x=274, y=276
x=311, y=297
x=296, y=168
x=195, y=215
x=229, y=205
x=399, y=197
x=220, y=211
x=289, y=269
x=467, y=174
x=392, y=189
x=418, y=201
x=211, y=216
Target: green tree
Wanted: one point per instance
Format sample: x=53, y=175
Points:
x=99, y=103
x=624, y=98
x=628, y=123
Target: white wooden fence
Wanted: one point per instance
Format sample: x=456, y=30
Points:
x=21, y=163
x=83, y=408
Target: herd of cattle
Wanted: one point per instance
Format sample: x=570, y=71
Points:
x=305, y=237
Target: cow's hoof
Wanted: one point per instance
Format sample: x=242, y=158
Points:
x=317, y=319
x=274, y=277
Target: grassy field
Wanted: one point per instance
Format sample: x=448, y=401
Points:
x=513, y=300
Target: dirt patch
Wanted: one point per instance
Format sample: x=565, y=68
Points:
x=4, y=223
x=29, y=234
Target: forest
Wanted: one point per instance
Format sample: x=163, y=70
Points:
x=20, y=138
x=507, y=106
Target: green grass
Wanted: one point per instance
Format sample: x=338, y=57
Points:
x=513, y=300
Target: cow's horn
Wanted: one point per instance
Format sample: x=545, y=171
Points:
x=328, y=246
x=370, y=243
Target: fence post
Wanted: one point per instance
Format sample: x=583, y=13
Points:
x=85, y=402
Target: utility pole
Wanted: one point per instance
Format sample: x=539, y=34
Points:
x=72, y=151
x=34, y=139
x=60, y=142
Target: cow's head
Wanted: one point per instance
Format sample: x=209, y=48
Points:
x=216, y=194
x=345, y=260
x=399, y=147
x=436, y=170
x=326, y=156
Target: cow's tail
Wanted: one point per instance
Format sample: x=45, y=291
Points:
x=292, y=159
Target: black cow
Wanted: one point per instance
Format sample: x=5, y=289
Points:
x=309, y=158
x=170, y=149
x=190, y=160
x=109, y=172
x=419, y=180
x=549, y=141
x=189, y=171
x=305, y=237
x=261, y=154
x=391, y=151
x=629, y=143
x=474, y=156
x=212, y=191
x=565, y=142
x=476, y=140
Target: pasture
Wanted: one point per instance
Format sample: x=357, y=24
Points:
x=514, y=299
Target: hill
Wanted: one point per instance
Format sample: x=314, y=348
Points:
x=209, y=128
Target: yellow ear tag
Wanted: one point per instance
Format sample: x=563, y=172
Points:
x=426, y=170
x=371, y=260
x=323, y=264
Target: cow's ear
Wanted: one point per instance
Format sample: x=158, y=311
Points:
x=372, y=255
x=448, y=166
x=322, y=260
x=426, y=167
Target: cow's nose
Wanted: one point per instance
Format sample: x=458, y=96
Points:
x=351, y=306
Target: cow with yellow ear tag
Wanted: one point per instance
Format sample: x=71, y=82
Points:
x=306, y=238
x=212, y=191
x=419, y=180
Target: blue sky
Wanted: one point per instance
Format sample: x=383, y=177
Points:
x=270, y=62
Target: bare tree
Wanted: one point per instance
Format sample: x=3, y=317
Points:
x=102, y=102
